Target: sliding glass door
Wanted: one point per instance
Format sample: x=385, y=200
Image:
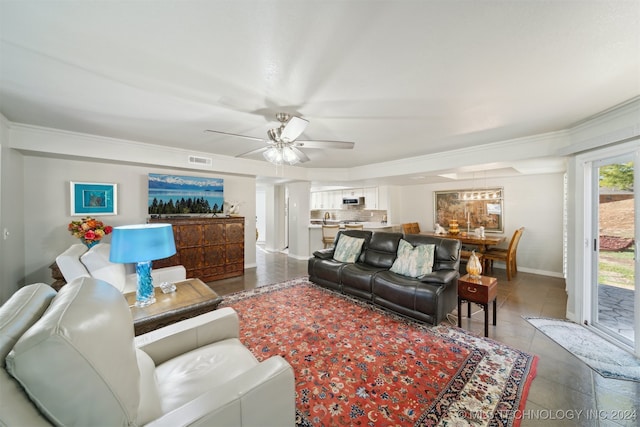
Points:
x=614, y=277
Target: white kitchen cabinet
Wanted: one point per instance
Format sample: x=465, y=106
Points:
x=370, y=197
x=333, y=199
x=352, y=193
x=326, y=199
x=315, y=202
x=383, y=197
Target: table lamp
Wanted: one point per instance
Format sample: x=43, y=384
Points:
x=141, y=244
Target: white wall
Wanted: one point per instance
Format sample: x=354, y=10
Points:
x=299, y=195
x=274, y=218
x=389, y=199
x=12, y=240
x=46, y=204
x=261, y=214
x=532, y=201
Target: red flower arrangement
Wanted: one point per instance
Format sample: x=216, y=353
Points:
x=89, y=230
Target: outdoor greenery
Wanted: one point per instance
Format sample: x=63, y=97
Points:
x=616, y=268
x=183, y=206
x=617, y=176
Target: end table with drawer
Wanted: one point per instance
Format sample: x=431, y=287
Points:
x=481, y=291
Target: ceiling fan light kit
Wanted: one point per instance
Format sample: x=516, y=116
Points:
x=279, y=155
x=282, y=146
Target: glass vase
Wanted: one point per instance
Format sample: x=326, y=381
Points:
x=90, y=243
x=474, y=268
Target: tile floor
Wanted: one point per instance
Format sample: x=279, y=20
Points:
x=565, y=392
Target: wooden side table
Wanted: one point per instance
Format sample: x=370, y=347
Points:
x=481, y=291
x=56, y=274
x=191, y=298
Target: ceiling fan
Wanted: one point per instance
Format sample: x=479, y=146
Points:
x=283, y=145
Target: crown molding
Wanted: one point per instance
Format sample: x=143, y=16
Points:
x=619, y=123
x=615, y=125
x=62, y=143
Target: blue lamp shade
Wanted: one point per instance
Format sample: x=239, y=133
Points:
x=141, y=244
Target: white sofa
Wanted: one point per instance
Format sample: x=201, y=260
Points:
x=72, y=359
x=77, y=261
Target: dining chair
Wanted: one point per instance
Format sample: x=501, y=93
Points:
x=508, y=256
x=410, y=228
x=354, y=226
x=329, y=232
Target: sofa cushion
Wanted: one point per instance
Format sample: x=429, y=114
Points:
x=447, y=256
x=408, y=296
x=356, y=279
x=97, y=262
x=17, y=315
x=21, y=311
x=381, y=250
x=191, y=374
x=326, y=272
x=348, y=249
x=413, y=261
x=150, y=405
x=81, y=354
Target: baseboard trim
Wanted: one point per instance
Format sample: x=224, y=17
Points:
x=300, y=257
x=533, y=271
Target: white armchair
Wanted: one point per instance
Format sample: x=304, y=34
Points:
x=79, y=364
x=69, y=263
x=77, y=261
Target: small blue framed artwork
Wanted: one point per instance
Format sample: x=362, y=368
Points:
x=93, y=198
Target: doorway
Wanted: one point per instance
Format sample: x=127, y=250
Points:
x=614, y=299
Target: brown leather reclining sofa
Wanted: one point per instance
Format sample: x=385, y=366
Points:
x=427, y=298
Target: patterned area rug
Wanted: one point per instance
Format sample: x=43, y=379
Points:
x=358, y=365
x=602, y=356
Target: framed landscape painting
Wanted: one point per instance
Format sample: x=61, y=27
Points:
x=93, y=198
x=471, y=209
x=180, y=194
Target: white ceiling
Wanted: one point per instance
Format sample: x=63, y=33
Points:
x=399, y=78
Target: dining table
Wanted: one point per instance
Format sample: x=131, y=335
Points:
x=482, y=243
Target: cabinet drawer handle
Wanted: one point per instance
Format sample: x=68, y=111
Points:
x=472, y=290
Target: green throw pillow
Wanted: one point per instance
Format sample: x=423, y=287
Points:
x=413, y=261
x=347, y=249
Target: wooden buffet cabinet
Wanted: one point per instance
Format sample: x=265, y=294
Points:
x=208, y=248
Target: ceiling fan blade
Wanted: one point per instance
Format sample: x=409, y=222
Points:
x=342, y=145
x=303, y=157
x=293, y=129
x=235, y=134
x=256, y=151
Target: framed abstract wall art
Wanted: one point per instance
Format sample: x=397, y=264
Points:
x=93, y=198
x=471, y=209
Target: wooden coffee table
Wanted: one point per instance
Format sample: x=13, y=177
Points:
x=481, y=291
x=191, y=298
